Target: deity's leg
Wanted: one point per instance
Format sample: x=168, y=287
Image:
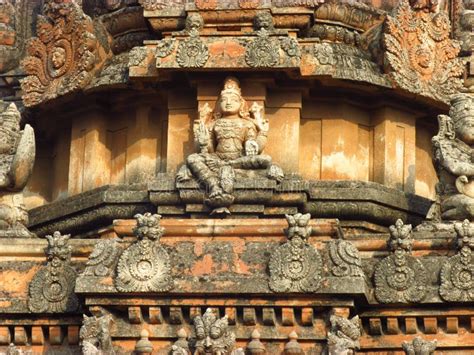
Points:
x=252, y=162
x=202, y=173
x=457, y=207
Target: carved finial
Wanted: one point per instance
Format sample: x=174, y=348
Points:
x=465, y=233
x=213, y=334
x=419, y=346
x=58, y=246
x=298, y=225
x=292, y=347
x=144, y=346
x=255, y=346
x=148, y=226
x=400, y=236
x=181, y=346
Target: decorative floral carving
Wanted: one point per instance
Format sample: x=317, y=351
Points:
x=165, y=47
x=153, y=5
x=102, y=260
x=52, y=288
x=144, y=266
x=400, y=277
x=343, y=338
x=457, y=274
x=62, y=57
x=345, y=259
x=263, y=50
x=421, y=57
x=296, y=265
x=192, y=52
x=419, y=346
x=95, y=335
x=291, y=47
x=137, y=56
x=212, y=334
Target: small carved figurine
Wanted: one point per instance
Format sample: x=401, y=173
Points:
x=454, y=159
x=17, y=156
x=419, y=347
x=230, y=141
x=95, y=335
x=343, y=338
x=212, y=335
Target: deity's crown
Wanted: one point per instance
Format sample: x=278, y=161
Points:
x=462, y=105
x=231, y=86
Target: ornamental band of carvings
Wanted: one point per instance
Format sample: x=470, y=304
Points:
x=192, y=52
x=95, y=335
x=63, y=56
x=212, y=334
x=52, y=288
x=296, y=265
x=343, y=337
x=399, y=277
x=457, y=273
x=419, y=346
x=452, y=153
x=230, y=139
x=145, y=266
x=17, y=156
x=420, y=56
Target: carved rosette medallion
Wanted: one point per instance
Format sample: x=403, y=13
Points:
x=144, y=266
x=262, y=52
x=192, y=53
x=62, y=57
x=345, y=259
x=296, y=265
x=400, y=277
x=52, y=288
x=457, y=274
x=420, y=56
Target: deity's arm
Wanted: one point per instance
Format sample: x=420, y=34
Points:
x=259, y=136
x=23, y=161
x=211, y=146
x=457, y=164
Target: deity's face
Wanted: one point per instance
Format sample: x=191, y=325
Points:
x=230, y=104
x=465, y=129
x=58, y=58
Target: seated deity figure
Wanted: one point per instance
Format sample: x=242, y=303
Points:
x=454, y=160
x=231, y=140
x=17, y=154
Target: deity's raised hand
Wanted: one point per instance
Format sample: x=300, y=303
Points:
x=202, y=135
x=261, y=123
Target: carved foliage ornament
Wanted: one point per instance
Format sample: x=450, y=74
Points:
x=52, y=288
x=263, y=50
x=457, y=274
x=61, y=58
x=145, y=266
x=192, y=52
x=296, y=265
x=212, y=334
x=400, y=277
x=420, y=56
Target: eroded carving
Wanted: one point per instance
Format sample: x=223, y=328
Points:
x=296, y=265
x=52, y=288
x=263, y=50
x=343, y=337
x=419, y=346
x=103, y=259
x=457, y=273
x=420, y=55
x=95, y=335
x=145, y=266
x=230, y=140
x=345, y=259
x=192, y=52
x=453, y=160
x=63, y=56
x=17, y=156
x=400, y=277
x=213, y=335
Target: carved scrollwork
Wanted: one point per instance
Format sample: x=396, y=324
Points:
x=52, y=288
x=345, y=259
x=103, y=258
x=400, y=277
x=457, y=273
x=420, y=55
x=296, y=265
x=291, y=47
x=144, y=266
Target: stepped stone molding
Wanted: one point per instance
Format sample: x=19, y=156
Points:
x=399, y=277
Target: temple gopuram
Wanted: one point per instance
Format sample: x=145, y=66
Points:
x=237, y=177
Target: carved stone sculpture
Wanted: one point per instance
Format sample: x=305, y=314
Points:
x=400, y=278
x=231, y=139
x=192, y=52
x=420, y=55
x=63, y=56
x=296, y=265
x=95, y=335
x=344, y=258
x=17, y=156
x=181, y=346
x=453, y=156
x=213, y=335
x=419, y=346
x=145, y=266
x=52, y=288
x=343, y=338
x=457, y=273
x=103, y=259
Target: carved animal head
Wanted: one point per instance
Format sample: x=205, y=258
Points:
x=400, y=236
x=298, y=226
x=148, y=226
x=212, y=333
x=58, y=247
x=465, y=234
x=419, y=347
x=263, y=20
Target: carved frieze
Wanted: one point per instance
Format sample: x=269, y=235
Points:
x=457, y=273
x=145, y=266
x=343, y=337
x=296, y=265
x=213, y=335
x=399, y=277
x=345, y=259
x=419, y=346
x=95, y=335
x=52, y=288
x=420, y=55
x=64, y=56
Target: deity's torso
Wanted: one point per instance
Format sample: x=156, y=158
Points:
x=230, y=135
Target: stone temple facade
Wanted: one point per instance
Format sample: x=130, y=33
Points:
x=236, y=177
